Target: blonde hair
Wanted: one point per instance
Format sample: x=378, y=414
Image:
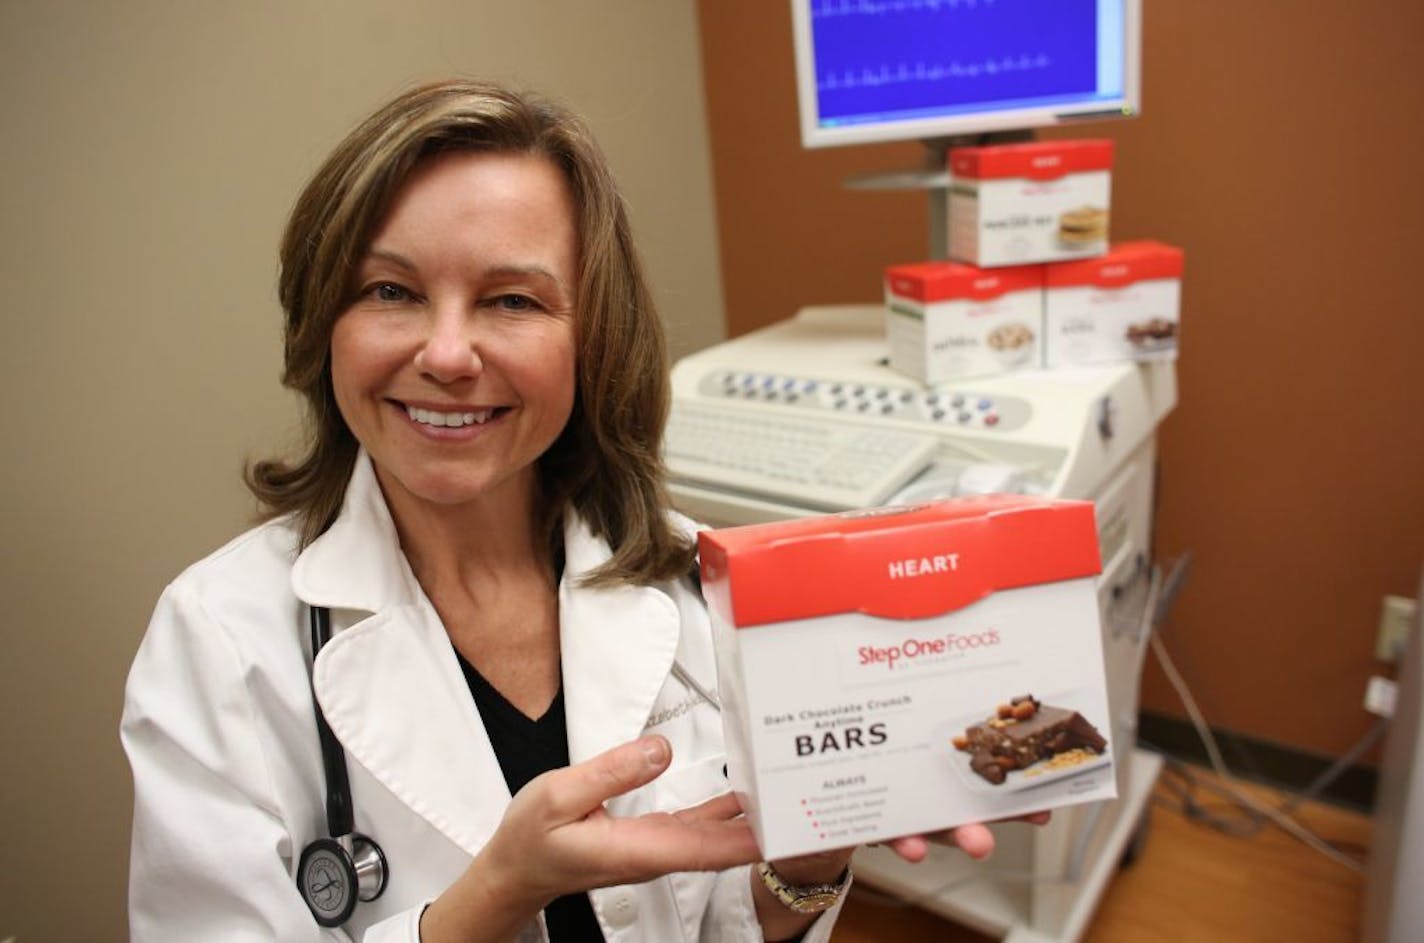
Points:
x=606, y=464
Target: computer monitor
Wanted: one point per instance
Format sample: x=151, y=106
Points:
x=890, y=70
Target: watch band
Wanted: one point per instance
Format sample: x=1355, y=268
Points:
x=803, y=898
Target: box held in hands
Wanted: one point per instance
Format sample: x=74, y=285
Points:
x=905, y=670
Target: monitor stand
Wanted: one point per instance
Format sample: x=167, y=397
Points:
x=933, y=177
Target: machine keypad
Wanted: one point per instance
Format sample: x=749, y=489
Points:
x=911, y=404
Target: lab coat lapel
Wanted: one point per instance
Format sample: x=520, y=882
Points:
x=617, y=644
x=357, y=563
x=394, y=695
x=388, y=681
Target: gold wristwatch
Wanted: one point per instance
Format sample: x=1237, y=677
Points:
x=803, y=898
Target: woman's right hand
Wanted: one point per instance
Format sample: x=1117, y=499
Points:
x=556, y=838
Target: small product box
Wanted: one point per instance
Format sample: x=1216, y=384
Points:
x=905, y=670
x=946, y=320
x=1012, y=204
x=1122, y=306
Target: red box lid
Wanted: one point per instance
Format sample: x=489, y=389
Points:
x=895, y=563
x=944, y=281
x=1124, y=263
x=1040, y=160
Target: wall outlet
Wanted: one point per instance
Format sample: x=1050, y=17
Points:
x=1396, y=616
x=1380, y=696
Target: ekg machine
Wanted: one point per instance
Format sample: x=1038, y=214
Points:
x=805, y=417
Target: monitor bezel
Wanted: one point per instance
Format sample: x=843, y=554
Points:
x=955, y=126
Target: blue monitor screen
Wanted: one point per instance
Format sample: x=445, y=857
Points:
x=908, y=65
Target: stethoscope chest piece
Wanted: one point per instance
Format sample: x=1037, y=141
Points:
x=332, y=878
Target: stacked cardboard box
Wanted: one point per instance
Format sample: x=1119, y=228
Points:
x=1034, y=280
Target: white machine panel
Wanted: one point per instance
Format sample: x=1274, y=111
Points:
x=1064, y=430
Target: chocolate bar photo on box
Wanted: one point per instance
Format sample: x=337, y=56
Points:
x=1025, y=733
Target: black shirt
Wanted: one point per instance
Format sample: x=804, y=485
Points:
x=525, y=748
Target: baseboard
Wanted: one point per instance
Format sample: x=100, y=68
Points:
x=1260, y=761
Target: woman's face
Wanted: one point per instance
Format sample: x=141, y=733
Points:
x=454, y=366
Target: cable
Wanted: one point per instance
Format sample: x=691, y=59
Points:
x=1185, y=795
x=1190, y=703
x=1279, y=816
x=1345, y=761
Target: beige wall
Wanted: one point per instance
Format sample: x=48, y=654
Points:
x=150, y=153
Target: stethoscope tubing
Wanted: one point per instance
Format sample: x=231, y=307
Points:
x=340, y=817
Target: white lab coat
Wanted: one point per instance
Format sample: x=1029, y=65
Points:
x=220, y=731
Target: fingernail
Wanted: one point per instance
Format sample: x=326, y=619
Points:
x=655, y=750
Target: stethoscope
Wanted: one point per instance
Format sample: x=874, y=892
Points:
x=334, y=873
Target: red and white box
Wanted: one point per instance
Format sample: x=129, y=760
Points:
x=1125, y=305
x=1012, y=204
x=946, y=320
x=905, y=670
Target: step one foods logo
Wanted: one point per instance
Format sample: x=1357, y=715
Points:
x=913, y=651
